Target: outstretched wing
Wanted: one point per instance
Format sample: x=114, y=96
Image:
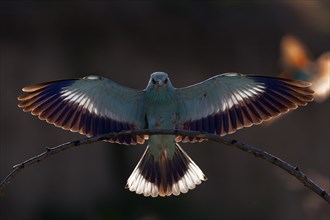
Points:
x=91, y=106
x=227, y=102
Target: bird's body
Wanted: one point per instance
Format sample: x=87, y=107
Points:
x=163, y=157
x=222, y=104
x=162, y=114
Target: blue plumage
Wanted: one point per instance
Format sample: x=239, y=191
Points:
x=222, y=104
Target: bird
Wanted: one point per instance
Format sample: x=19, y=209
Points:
x=94, y=105
x=298, y=64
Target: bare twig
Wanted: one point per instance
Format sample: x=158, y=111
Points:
x=294, y=171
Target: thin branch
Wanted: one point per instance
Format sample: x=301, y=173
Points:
x=294, y=171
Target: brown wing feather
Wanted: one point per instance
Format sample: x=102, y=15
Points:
x=46, y=101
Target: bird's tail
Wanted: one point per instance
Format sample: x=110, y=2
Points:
x=165, y=176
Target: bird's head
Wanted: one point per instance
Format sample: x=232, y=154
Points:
x=159, y=81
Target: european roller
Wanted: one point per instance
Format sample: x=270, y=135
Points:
x=298, y=65
x=95, y=105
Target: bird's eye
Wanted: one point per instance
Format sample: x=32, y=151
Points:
x=166, y=80
x=153, y=81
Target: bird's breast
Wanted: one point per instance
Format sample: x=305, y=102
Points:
x=162, y=116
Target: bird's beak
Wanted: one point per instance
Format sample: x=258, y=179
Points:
x=160, y=82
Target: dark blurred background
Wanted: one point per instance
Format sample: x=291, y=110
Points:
x=127, y=41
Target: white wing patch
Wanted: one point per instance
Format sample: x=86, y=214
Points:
x=92, y=106
x=227, y=102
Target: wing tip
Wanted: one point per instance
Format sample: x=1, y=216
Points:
x=35, y=87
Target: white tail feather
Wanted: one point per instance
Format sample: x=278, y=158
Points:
x=165, y=176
